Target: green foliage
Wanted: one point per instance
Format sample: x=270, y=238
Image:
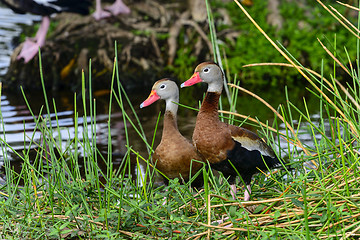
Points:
x=301, y=26
x=184, y=59
x=181, y=67
x=303, y=22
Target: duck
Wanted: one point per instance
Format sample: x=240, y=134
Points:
x=175, y=156
x=118, y=7
x=44, y=8
x=229, y=149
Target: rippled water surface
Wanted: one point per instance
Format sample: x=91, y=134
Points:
x=10, y=27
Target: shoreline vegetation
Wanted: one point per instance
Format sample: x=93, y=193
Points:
x=51, y=199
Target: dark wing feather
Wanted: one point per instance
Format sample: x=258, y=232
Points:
x=250, y=140
x=48, y=7
x=246, y=162
x=249, y=154
x=14, y=5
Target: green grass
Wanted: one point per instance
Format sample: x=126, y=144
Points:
x=53, y=197
x=240, y=44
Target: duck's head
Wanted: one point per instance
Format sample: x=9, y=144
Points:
x=209, y=73
x=165, y=89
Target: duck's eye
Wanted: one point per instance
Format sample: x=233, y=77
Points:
x=206, y=70
x=163, y=86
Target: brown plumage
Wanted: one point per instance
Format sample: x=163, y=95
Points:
x=174, y=154
x=221, y=143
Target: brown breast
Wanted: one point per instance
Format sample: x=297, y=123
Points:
x=175, y=152
x=212, y=138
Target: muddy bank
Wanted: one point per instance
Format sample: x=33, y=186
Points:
x=148, y=42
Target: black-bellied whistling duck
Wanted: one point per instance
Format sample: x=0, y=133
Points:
x=221, y=143
x=118, y=7
x=44, y=8
x=174, y=155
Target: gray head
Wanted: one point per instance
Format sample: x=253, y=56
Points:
x=165, y=89
x=209, y=73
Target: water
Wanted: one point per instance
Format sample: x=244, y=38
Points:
x=17, y=117
x=10, y=27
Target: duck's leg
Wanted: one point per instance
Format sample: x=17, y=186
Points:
x=118, y=7
x=31, y=46
x=233, y=191
x=164, y=198
x=42, y=31
x=247, y=192
x=99, y=12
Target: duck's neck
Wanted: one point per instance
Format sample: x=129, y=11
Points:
x=215, y=86
x=170, y=124
x=170, y=120
x=171, y=105
x=210, y=105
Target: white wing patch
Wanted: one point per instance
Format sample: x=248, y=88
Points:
x=251, y=145
x=48, y=3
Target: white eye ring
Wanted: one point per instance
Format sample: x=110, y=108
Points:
x=206, y=70
x=162, y=86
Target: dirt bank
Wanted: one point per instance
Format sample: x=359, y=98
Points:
x=148, y=41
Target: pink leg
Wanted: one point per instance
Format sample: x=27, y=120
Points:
x=247, y=193
x=222, y=221
x=233, y=191
x=165, y=200
x=31, y=47
x=118, y=7
x=41, y=33
x=99, y=12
